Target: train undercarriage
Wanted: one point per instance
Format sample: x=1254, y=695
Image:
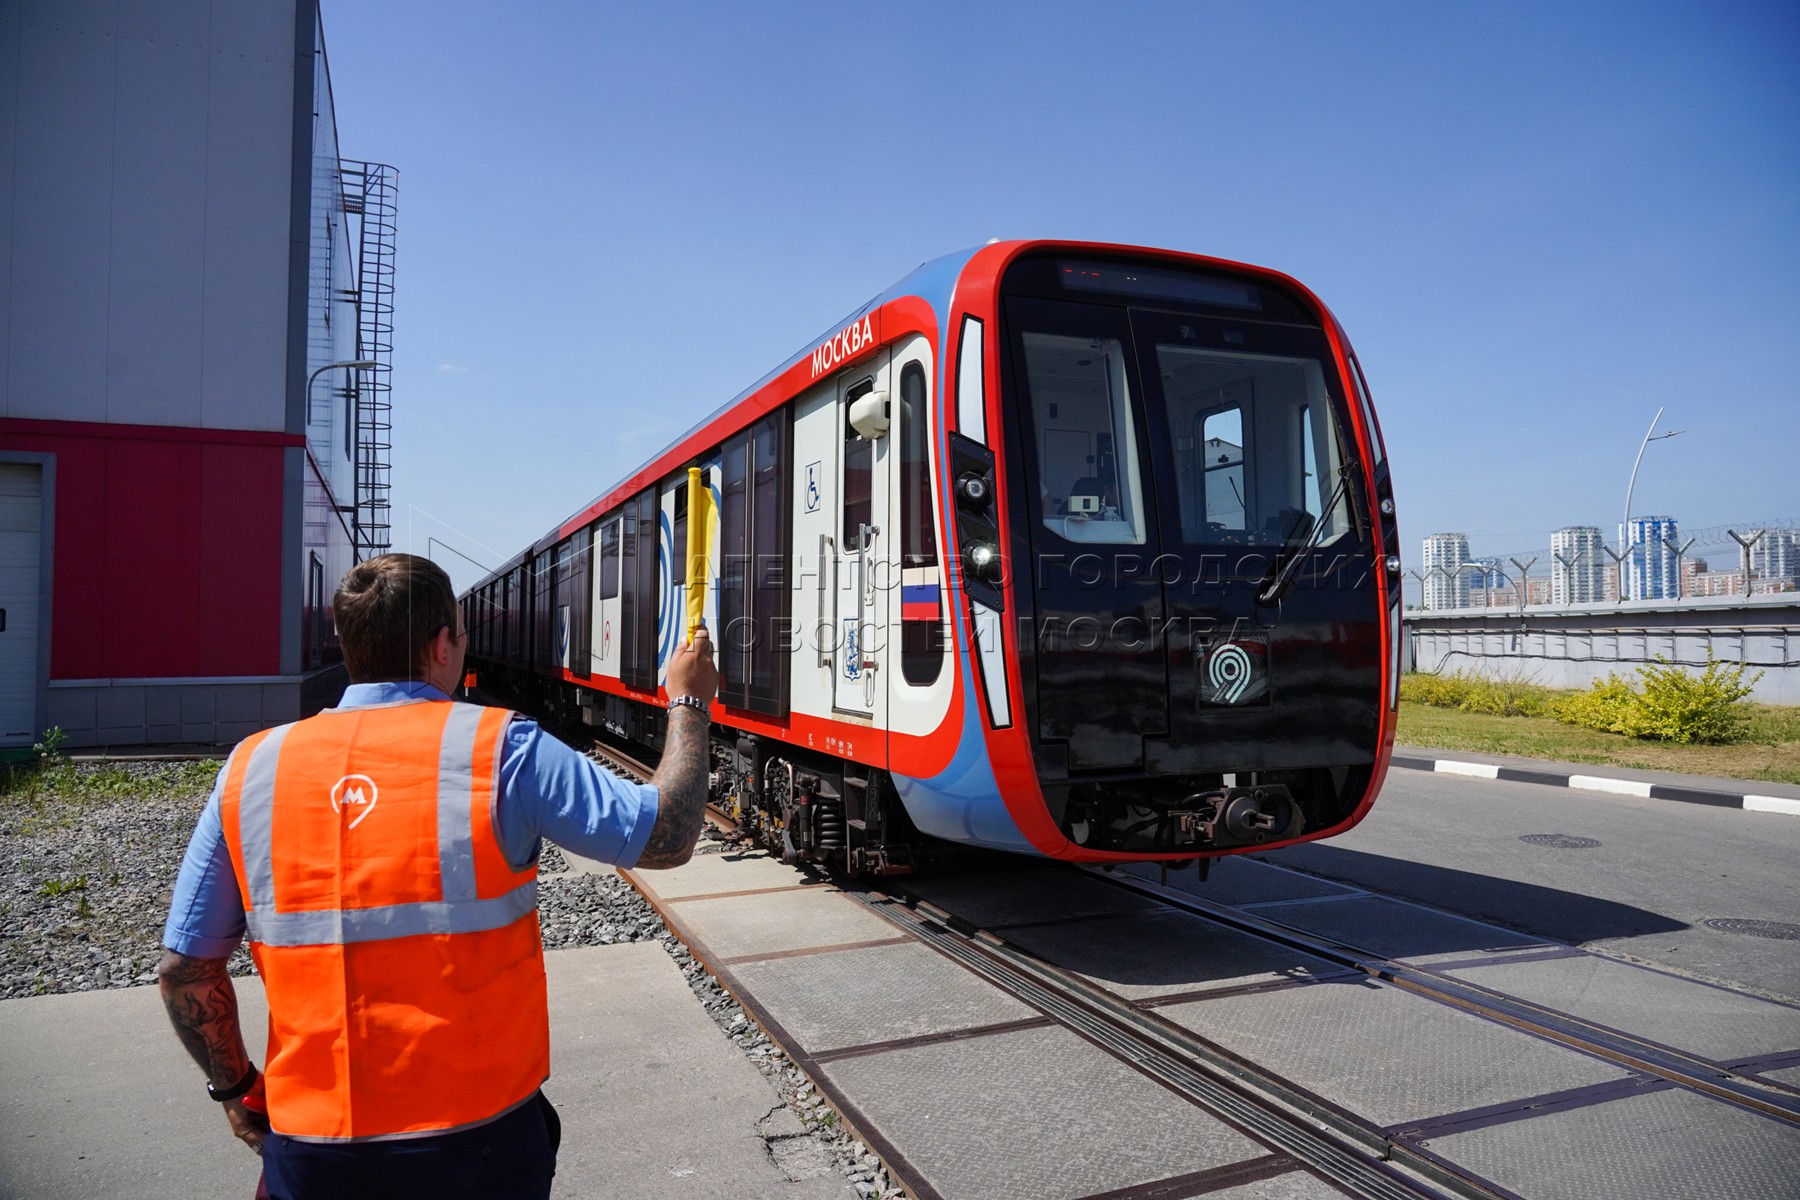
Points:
x=847, y=817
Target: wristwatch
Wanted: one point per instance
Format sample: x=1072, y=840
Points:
x=694, y=702
x=236, y=1091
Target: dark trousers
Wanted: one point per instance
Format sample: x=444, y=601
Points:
x=514, y=1156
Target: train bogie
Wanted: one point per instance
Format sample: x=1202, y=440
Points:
x=1067, y=550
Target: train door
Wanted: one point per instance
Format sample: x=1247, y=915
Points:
x=865, y=531
x=1101, y=673
x=1250, y=459
x=918, y=686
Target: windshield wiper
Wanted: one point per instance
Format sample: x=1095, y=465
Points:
x=1291, y=569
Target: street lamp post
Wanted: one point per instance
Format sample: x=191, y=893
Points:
x=1625, y=525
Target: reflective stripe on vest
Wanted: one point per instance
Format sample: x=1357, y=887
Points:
x=374, y=950
x=458, y=912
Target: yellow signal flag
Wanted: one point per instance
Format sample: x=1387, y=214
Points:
x=702, y=519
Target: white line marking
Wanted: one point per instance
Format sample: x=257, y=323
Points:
x=1780, y=804
x=1479, y=770
x=1599, y=783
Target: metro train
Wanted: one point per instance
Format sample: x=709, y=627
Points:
x=1067, y=549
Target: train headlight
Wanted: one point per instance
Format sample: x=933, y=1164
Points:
x=1392, y=563
x=984, y=562
x=973, y=489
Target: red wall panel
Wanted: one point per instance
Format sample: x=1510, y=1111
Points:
x=168, y=549
x=240, y=560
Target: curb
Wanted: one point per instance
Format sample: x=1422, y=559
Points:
x=1602, y=783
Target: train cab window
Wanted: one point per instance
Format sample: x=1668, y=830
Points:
x=609, y=560
x=859, y=466
x=1089, y=483
x=921, y=618
x=1255, y=445
x=1221, y=456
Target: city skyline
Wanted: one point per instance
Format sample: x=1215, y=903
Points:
x=1583, y=568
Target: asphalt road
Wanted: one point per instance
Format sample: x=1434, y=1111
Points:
x=1660, y=870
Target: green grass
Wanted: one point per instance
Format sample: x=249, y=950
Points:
x=1770, y=749
x=53, y=793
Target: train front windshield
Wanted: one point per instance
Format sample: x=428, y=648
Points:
x=1178, y=439
x=1253, y=444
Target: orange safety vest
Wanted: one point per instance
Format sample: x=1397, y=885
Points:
x=398, y=948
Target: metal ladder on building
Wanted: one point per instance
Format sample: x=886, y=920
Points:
x=370, y=190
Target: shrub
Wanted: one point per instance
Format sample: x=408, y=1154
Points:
x=1498, y=695
x=1680, y=707
x=1606, y=706
x=1673, y=705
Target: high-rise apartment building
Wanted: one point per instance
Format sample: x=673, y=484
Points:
x=1776, y=555
x=1577, y=565
x=1446, y=583
x=1650, y=568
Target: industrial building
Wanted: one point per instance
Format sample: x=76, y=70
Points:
x=195, y=326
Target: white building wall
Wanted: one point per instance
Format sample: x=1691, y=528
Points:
x=331, y=317
x=147, y=279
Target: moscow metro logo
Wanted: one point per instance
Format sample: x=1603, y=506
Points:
x=354, y=791
x=1235, y=672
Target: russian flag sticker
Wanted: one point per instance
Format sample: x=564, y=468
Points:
x=920, y=599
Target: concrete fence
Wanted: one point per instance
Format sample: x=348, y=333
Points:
x=1572, y=647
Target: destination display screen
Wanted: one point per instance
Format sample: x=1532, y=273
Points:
x=1151, y=282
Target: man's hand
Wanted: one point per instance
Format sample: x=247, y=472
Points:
x=249, y=1117
x=692, y=672
x=681, y=777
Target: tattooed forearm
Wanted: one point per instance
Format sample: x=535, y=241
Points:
x=680, y=792
x=202, y=1006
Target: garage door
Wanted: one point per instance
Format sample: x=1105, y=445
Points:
x=21, y=541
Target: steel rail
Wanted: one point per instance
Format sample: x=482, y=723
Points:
x=1153, y=1048
x=1264, y=1104
x=1624, y=1049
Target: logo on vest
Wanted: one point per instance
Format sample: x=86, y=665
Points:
x=354, y=791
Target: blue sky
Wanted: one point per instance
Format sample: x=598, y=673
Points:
x=1539, y=222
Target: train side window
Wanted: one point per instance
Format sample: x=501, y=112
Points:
x=638, y=605
x=921, y=612
x=609, y=560
x=678, y=548
x=753, y=597
x=859, y=466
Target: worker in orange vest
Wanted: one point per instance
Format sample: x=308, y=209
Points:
x=382, y=858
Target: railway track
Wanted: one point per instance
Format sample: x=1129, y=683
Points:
x=1300, y=1128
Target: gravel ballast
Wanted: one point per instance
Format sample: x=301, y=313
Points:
x=85, y=884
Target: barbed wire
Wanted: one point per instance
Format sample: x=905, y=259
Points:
x=1712, y=537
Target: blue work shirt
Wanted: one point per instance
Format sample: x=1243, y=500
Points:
x=546, y=791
